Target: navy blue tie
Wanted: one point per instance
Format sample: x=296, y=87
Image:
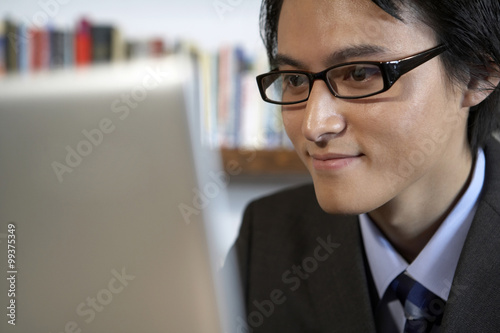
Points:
x=423, y=309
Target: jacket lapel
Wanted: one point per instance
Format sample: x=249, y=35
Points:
x=339, y=289
x=475, y=293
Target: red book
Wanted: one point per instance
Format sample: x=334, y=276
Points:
x=83, y=43
x=157, y=48
x=38, y=47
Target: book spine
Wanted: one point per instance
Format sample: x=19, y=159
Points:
x=101, y=43
x=230, y=94
x=69, y=49
x=45, y=52
x=83, y=44
x=23, y=49
x=222, y=96
x=35, y=47
x=239, y=73
x=118, y=47
x=56, y=49
x=11, y=54
x=3, y=49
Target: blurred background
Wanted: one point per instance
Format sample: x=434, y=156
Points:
x=210, y=23
x=45, y=37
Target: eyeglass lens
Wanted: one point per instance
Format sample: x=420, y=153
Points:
x=346, y=81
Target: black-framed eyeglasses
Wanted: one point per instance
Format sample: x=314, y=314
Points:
x=351, y=80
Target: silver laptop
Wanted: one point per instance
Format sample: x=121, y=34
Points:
x=105, y=196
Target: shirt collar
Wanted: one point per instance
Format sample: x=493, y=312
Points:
x=435, y=266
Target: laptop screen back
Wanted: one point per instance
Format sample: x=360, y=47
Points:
x=98, y=189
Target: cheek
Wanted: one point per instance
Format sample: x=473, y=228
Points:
x=398, y=127
x=407, y=139
x=292, y=121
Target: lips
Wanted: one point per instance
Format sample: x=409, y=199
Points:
x=334, y=161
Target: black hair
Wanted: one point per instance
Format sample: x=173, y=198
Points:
x=470, y=30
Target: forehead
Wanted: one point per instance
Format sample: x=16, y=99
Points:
x=313, y=29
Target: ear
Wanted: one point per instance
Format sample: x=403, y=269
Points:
x=478, y=90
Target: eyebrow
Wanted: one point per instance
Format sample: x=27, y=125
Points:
x=336, y=57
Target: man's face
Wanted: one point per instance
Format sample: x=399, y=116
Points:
x=403, y=145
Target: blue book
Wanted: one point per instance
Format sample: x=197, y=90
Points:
x=68, y=48
x=3, y=49
x=23, y=44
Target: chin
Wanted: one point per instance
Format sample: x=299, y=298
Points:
x=335, y=208
x=341, y=202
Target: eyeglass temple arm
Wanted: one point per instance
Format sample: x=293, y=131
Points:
x=395, y=69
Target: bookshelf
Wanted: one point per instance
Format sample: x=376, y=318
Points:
x=275, y=162
x=254, y=131
x=233, y=115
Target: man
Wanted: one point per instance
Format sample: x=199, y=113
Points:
x=391, y=105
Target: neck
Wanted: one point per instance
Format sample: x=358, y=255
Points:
x=410, y=220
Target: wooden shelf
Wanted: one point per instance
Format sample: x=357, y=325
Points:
x=262, y=162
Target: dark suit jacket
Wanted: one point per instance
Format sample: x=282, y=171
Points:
x=305, y=271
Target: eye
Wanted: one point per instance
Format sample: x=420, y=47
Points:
x=361, y=73
x=295, y=80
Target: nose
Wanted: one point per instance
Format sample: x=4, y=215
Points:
x=323, y=120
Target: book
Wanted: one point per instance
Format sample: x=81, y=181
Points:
x=227, y=91
x=36, y=46
x=118, y=46
x=157, y=47
x=138, y=49
x=233, y=114
x=69, y=48
x=102, y=41
x=208, y=87
x=3, y=49
x=83, y=43
x=11, y=46
x=23, y=47
x=56, y=45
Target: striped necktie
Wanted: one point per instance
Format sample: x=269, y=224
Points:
x=423, y=309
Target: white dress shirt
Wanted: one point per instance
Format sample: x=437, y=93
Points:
x=435, y=265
